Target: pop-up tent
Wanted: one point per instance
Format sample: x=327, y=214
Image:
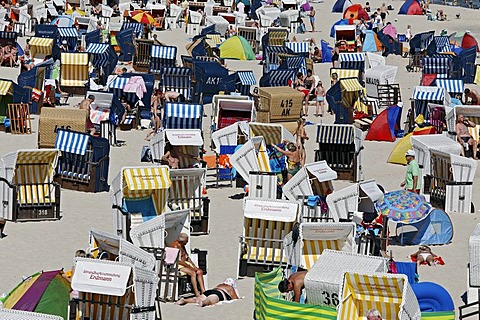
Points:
x=385, y=125
x=436, y=228
x=371, y=42
x=236, y=47
x=356, y=12
x=411, y=7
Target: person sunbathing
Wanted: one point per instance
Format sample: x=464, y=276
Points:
x=424, y=255
x=10, y=55
x=187, y=266
x=173, y=155
x=294, y=283
x=225, y=291
x=464, y=137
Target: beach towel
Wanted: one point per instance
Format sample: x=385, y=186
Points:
x=144, y=206
x=136, y=85
x=171, y=255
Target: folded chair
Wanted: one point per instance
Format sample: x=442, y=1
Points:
x=323, y=282
x=390, y=294
x=266, y=223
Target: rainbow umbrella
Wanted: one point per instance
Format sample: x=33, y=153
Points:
x=143, y=17
x=44, y=292
x=403, y=206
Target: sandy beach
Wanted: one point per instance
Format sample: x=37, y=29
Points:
x=33, y=246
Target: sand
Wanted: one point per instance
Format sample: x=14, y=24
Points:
x=33, y=246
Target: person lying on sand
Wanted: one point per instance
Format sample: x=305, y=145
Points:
x=225, y=291
x=425, y=254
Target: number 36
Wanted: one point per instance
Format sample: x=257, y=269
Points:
x=328, y=300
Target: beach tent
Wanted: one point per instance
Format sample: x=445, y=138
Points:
x=398, y=153
x=435, y=67
x=326, y=51
x=135, y=26
x=6, y=97
x=340, y=22
x=236, y=47
x=453, y=87
x=33, y=78
x=356, y=12
x=271, y=56
x=46, y=292
x=434, y=299
x=138, y=190
x=161, y=57
x=341, y=5
x=299, y=48
x=463, y=39
x=189, y=142
x=385, y=125
x=390, y=294
x=73, y=69
x=229, y=111
x=371, y=42
x=297, y=63
x=411, y=7
x=379, y=75
x=435, y=229
x=63, y=21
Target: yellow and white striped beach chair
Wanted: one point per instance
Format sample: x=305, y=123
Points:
x=35, y=195
x=316, y=237
x=266, y=223
x=73, y=69
x=344, y=73
x=138, y=191
x=390, y=294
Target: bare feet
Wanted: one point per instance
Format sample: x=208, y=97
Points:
x=181, y=302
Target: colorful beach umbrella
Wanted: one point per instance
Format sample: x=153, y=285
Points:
x=463, y=39
x=236, y=47
x=44, y=292
x=143, y=17
x=403, y=206
x=356, y=12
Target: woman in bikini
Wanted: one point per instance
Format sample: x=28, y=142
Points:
x=425, y=254
x=225, y=291
x=301, y=136
x=299, y=84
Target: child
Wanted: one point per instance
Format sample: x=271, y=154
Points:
x=320, y=94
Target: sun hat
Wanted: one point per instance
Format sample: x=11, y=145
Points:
x=410, y=153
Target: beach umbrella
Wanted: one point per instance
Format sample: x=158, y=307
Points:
x=463, y=39
x=62, y=22
x=403, y=206
x=43, y=292
x=236, y=47
x=143, y=17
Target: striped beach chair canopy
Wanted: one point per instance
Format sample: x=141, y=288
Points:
x=335, y=134
x=246, y=78
x=183, y=116
x=316, y=237
x=299, y=47
x=72, y=142
x=440, y=44
x=313, y=179
x=390, y=294
x=162, y=56
x=6, y=87
x=428, y=93
x=450, y=85
x=245, y=159
x=297, y=63
x=73, y=69
x=68, y=34
x=344, y=73
x=352, y=61
x=41, y=46
x=273, y=134
x=137, y=28
x=100, y=53
x=177, y=79
x=350, y=85
x=277, y=78
x=437, y=65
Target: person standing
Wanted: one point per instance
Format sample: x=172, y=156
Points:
x=464, y=137
x=86, y=105
x=412, y=177
x=383, y=12
x=312, y=18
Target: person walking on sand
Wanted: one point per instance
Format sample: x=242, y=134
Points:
x=186, y=264
x=412, y=176
x=225, y=291
x=294, y=158
x=320, y=99
x=312, y=18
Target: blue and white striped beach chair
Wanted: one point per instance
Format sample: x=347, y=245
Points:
x=177, y=79
x=183, y=116
x=162, y=56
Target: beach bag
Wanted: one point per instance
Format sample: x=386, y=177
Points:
x=146, y=155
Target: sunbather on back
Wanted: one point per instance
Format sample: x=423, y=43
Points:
x=225, y=291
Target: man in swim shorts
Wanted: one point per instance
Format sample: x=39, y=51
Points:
x=294, y=283
x=225, y=291
x=464, y=137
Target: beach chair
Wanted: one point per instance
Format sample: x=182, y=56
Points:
x=106, y=107
x=340, y=146
x=323, y=282
x=246, y=79
x=252, y=159
x=250, y=34
x=68, y=34
x=177, y=79
x=266, y=223
x=182, y=116
x=173, y=20
x=84, y=161
x=344, y=73
x=232, y=135
x=422, y=95
x=454, y=87
x=10, y=314
x=316, y=237
x=194, y=21
x=138, y=190
x=352, y=61
x=28, y=191
x=132, y=296
x=390, y=294
x=20, y=121
x=342, y=98
x=211, y=78
x=188, y=141
x=230, y=111
x=162, y=56
x=451, y=181
x=52, y=119
x=103, y=58
x=73, y=72
x=314, y=179
x=435, y=67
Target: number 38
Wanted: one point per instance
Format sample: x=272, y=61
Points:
x=329, y=299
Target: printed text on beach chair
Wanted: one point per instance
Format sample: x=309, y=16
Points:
x=161, y=57
x=324, y=280
x=266, y=223
x=187, y=193
x=177, y=79
x=316, y=237
x=183, y=116
x=84, y=162
x=340, y=146
x=29, y=192
x=452, y=181
x=390, y=294
x=138, y=189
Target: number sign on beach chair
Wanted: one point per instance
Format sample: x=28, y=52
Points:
x=138, y=190
x=266, y=223
x=28, y=191
x=390, y=294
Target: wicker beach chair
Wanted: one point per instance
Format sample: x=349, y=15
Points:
x=390, y=294
x=250, y=158
x=324, y=280
x=266, y=223
x=9, y=314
